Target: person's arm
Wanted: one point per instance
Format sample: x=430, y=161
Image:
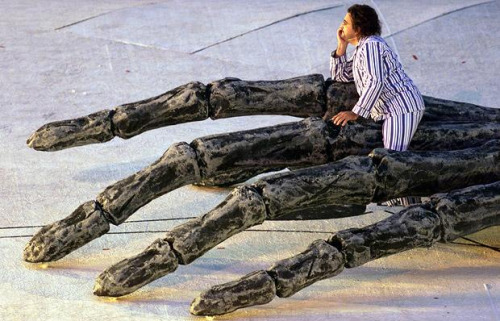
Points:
x=340, y=67
x=371, y=62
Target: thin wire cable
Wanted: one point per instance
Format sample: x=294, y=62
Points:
x=19, y=227
x=474, y=242
x=127, y=222
x=165, y=231
x=479, y=244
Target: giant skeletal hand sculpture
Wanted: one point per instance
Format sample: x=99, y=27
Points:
x=455, y=152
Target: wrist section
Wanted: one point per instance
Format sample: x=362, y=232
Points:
x=340, y=52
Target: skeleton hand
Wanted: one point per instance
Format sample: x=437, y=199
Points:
x=231, y=158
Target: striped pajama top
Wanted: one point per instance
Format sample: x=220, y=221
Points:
x=384, y=88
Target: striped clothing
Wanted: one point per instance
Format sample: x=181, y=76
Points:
x=398, y=130
x=385, y=92
x=384, y=88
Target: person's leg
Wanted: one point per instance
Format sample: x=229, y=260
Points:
x=397, y=132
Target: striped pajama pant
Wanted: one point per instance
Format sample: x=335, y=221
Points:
x=397, y=132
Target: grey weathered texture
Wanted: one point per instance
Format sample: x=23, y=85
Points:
x=348, y=181
x=300, y=96
x=235, y=157
x=90, y=129
x=182, y=165
x=343, y=96
x=242, y=209
x=177, y=167
x=339, y=97
x=253, y=289
x=183, y=104
x=286, y=277
x=231, y=158
x=382, y=176
x=303, y=96
x=468, y=210
x=438, y=130
x=360, y=139
x=443, y=110
x=352, y=180
x=210, y=160
x=417, y=226
x=321, y=212
x=355, y=139
x=445, y=218
x=453, y=136
x=58, y=239
x=319, y=261
x=424, y=173
x=154, y=262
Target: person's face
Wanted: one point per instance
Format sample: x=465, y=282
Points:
x=349, y=34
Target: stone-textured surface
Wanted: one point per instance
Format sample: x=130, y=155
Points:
x=353, y=180
x=177, y=167
x=348, y=181
x=356, y=139
x=339, y=97
x=319, y=261
x=301, y=96
x=93, y=128
x=468, y=210
x=183, y=104
x=242, y=209
x=474, y=126
x=60, y=238
x=424, y=173
x=343, y=96
x=322, y=211
x=252, y=289
x=450, y=136
x=413, y=227
x=231, y=158
x=128, y=275
x=358, y=180
x=443, y=110
x=444, y=218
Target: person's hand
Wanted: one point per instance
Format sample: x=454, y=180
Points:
x=341, y=42
x=343, y=117
x=340, y=37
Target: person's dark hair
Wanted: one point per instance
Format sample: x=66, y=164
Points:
x=365, y=20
